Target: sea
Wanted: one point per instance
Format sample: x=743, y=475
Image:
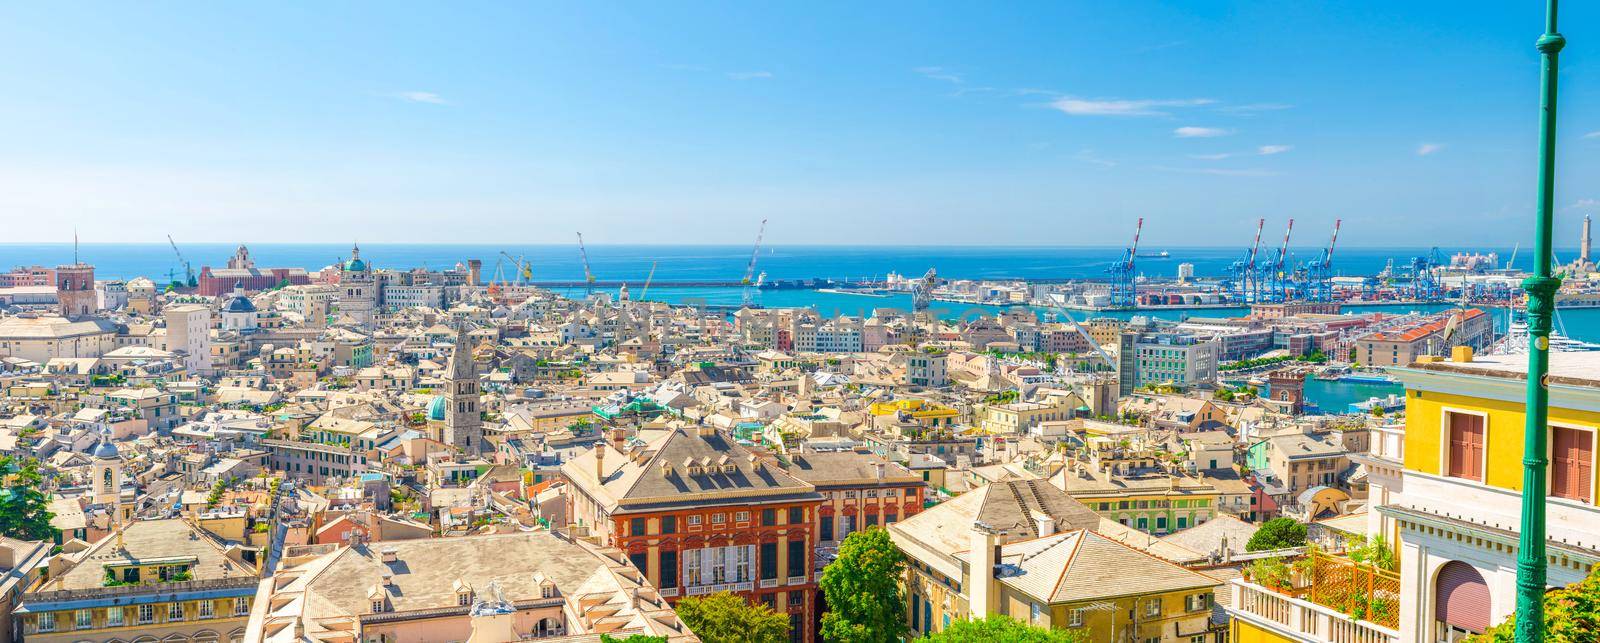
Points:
x=701, y=263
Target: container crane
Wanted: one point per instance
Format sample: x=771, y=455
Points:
x=588, y=275
x=1241, y=273
x=751, y=288
x=1276, y=282
x=1123, y=292
x=188, y=271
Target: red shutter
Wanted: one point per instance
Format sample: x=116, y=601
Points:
x=1571, y=464
x=1466, y=446
x=1461, y=597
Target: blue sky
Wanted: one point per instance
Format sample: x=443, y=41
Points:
x=667, y=122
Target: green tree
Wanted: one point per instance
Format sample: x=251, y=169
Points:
x=725, y=618
x=24, y=507
x=1001, y=629
x=1571, y=614
x=1373, y=551
x=862, y=587
x=637, y=638
x=1278, y=533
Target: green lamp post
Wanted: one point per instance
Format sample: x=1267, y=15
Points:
x=1541, y=289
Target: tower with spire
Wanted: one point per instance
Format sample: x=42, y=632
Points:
x=463, y=426
x=358, y=298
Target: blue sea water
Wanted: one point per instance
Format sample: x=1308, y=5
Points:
x=680, y=263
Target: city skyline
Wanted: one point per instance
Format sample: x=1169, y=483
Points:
x=899, y=125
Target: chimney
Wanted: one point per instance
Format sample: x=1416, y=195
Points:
x=984, y=554
x=8, y=557
x=390, y=555
x=600, y=461
x=1462, y=354
x=877, y=468
x=1045, y=525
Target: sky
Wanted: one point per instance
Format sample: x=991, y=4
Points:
x=840, y=122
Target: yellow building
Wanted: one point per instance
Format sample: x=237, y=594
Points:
x=1024, y=549
x=1022, y=417
x=163, y=579
x=923, y=412
x=1446, y=487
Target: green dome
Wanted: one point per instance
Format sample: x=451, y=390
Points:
x=436, y=408
x=355, y=265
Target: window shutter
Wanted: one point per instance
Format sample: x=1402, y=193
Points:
x=1462, y=597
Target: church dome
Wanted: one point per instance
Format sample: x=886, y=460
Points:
x=106, y=450
x=238, y=303
x=355, y=265
x=436, y=408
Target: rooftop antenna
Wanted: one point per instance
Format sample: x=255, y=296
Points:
x=75, y=245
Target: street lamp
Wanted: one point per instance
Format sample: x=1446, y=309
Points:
x=1541, y=289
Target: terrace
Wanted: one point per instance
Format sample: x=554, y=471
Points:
x=1320, y=597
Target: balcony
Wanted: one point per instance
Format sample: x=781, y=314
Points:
x=797, y=580
x=1300, y=619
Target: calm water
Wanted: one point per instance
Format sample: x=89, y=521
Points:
x=706, y=263
x=702, y=263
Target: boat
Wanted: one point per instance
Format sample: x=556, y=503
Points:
x=1368, y=378
x=853, y=291
x=1155, y=255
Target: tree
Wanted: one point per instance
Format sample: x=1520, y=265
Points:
x=24, y=507
x=725, y=618
x=862, y=587
x=1570, y=614
x=1278, y=533
x=1001, y=629
x=1373, y=551
x=636, y=638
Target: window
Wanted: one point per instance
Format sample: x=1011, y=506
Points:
x=377, y=607
x=1196, y=602
x=871, y=493
x=1075, y=617
x=797, y=515
x=769, y=517
x=796, y=599
x=669, y=569
x=691, y=567
x=640, y=527
x=769, y=561
x=147, y=613
x=694, y=521
x=84, y=620
x=770, y=600
x=669, y=524
x=241, y=606
x=1034, y=611
x=1152, y=607
x=1571, y=464
x=207, y=609
x=174, y=611
x=47, y=621
x=827, y=529
x=114, y=617
x=717, y=519
x=743, y=516
x=1464, y=455
x=464, y=599
x=797, y=558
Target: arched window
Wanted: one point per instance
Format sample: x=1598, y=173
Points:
x=1461, y=602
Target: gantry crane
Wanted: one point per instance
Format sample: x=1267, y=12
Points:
x=188, y=271
x=648, y=278
x=588, y=275
x=752, y=289
x=1123, y=292
x=1276, y=282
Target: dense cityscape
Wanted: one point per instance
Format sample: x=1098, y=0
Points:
x=877, y=422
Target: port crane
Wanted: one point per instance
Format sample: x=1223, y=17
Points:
x=1124, y=294
x=588, y=275
x=188, y=271
x=524, y=269
x=1277, y=281
x=752, y=289
x=648, y=278
x=1073, y=323
x=1318, y=285
x=1242, y=272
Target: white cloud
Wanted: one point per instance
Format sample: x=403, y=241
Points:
x=939, y=73
x=1594, y=134
x=1429, y=148
x=749, y=75
x=1200, y=132
x=1584, y=204
x=1215, y=171
x=1121, y=107
x=1211, y=157
x=1268, y=150
x=421, y=97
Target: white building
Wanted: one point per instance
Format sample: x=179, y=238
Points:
x=189, y=332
